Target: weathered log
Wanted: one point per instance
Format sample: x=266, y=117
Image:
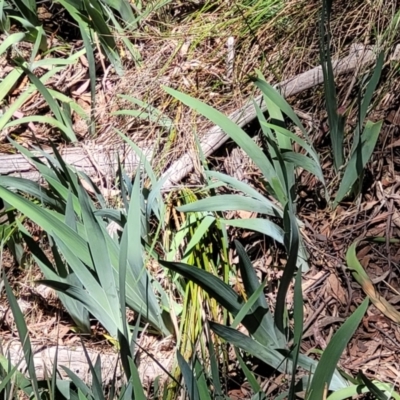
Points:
x=73, y=357
x=95, y=160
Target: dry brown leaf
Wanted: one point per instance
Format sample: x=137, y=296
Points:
x=335, y=289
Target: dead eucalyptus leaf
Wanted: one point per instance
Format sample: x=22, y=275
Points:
x=363, y=279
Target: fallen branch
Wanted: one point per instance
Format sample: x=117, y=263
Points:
x=359, y=57
x=74, y=358
x=101, y=161
x=95, y=160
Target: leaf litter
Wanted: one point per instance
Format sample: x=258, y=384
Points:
x=284, y=46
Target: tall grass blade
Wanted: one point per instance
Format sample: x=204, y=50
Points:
x=19, y=379
x=28, y=10
x=204, y=390
x=355, y=390
x=358, y=160
x=135, y=380
x=59, y=114
x=336, y=121
x=92, y=76
x=249, y=374
x=369, y=92
x=298, y=332
x=78, y=382
x=23, y=336
x=292, y=246
x=97, y=19
x=189, y=378
x=374, y=390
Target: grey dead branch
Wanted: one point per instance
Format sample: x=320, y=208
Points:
x=101, y=161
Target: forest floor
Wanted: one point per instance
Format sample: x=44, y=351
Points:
x=187, y=47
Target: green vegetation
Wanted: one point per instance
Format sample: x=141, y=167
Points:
x=141, y=263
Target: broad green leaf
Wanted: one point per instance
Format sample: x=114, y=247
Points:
x=75, y=308
x=241, y=186
x=214, y=286
x=277, y=143
x=78, y=382
x=99, y=254
x=124, y=8
x=227, y=202
x=31, y=188
x=265, y=353
x=49, y=222
x=302, y=161
x=224, y=294
x=230, y=128
x=9, y=82
x=122, y=30
x=269, y=355
x=28, y=10
x=298, y=331
x=263, y=226
x=17, y=104
x=331, y=355
x=95, y=371
x=55, y=108
x=248, y=305
x=135, y=255
x=214, y=364
x=142, y=157
x=202, y=383
x=44, y=120
x=277, y=99
x=11, y=40
x=103, y=315
x=356, y=390
x=303, y=143
x=142, y=301
x=50, y=62
x=266, y=332
x=100, y=26
x=374, y=390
